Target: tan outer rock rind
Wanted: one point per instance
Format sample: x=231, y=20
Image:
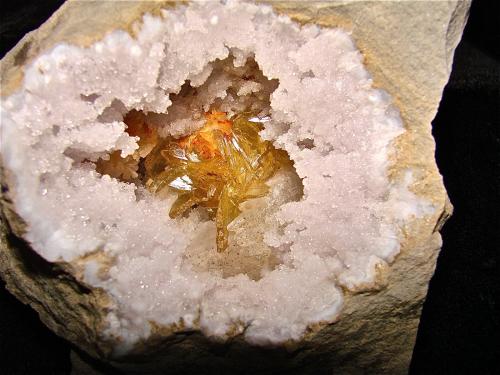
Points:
x=408, y=49
x=66, y=305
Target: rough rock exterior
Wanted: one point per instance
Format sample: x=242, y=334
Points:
x=408, y=48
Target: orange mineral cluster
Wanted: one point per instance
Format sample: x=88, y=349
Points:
x=218, y=167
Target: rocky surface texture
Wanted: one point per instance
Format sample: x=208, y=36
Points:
x=408, y=48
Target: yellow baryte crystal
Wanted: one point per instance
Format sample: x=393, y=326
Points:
x=218, y=167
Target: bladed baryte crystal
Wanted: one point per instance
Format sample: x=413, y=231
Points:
x=220, y=166
x=220, y=169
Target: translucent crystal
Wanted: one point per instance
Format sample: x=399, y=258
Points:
x=221, y=165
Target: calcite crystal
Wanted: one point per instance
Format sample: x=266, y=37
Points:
x=311, y=160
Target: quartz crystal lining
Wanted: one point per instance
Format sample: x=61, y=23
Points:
x=332, y=224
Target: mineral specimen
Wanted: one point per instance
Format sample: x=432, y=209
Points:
x=355, y=209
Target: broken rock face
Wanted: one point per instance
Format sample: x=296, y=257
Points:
x=357, y=210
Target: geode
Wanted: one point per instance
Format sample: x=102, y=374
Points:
x=228, y=184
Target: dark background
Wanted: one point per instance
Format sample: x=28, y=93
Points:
x=459, y=329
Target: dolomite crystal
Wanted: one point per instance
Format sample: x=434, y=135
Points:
x=332, y=264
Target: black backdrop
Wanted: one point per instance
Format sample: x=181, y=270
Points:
x=459, y=329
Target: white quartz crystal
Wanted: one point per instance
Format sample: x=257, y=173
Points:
x=325, y=113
